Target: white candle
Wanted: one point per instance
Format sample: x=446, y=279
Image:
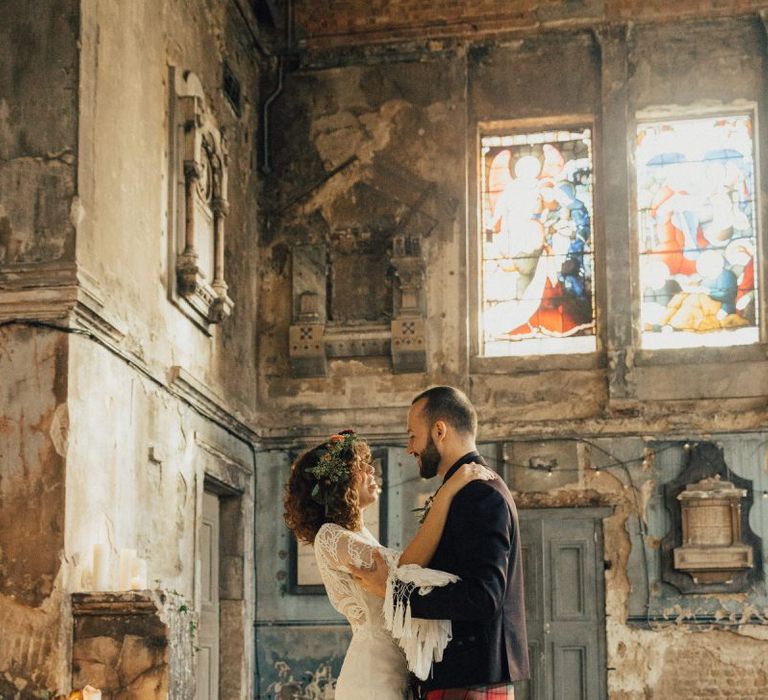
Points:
x=142, y=574
x=126, y=567
x=100, y=571
x=139, y=575
x=91, y=693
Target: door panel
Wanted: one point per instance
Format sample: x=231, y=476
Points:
x=562, y=556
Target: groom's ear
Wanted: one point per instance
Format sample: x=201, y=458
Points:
x=439, y=430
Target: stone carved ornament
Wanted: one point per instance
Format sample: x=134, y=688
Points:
x=203, y=208
x=403, y=337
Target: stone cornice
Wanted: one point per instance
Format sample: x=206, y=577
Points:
x=67, y=296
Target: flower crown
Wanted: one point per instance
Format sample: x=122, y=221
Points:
x=332, y=467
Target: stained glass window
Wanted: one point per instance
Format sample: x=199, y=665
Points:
x=537, y=247
x=697, y=232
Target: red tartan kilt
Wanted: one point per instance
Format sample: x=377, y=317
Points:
x=495, y=692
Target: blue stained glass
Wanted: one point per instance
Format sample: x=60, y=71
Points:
x=697, y=232
x=537, y=244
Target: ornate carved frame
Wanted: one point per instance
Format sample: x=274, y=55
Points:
x=198, y=203
x=312, y=340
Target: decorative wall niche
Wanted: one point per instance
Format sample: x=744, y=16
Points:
x=198, y=204
x=362, y=298
x=710, y=547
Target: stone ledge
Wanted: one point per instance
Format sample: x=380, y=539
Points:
x=117, y=603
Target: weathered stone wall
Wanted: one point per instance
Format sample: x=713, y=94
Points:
x=38, y=171
x=124, y=179
x=368, y=128
x=120, y=411
x=38, y=86
x=33, y=447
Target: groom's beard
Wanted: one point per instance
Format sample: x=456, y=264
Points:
x=429, y=460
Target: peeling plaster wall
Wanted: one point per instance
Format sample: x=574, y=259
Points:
x=408, y=110
x=140, y=455
x=104, y=443
x=379, y=114
x=38, y=171
x=33, y=577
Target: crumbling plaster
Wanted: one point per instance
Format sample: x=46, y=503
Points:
x=114, y=421
x=33, y=575
x=608, y=75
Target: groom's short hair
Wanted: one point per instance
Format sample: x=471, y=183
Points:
x=450, y=405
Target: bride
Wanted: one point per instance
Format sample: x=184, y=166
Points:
x=329, y=487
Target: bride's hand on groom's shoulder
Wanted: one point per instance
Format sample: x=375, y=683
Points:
x=373, y=580
x=465, y=474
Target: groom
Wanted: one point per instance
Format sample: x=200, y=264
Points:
x=481, y=544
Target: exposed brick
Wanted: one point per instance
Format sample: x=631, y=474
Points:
x=341, y=23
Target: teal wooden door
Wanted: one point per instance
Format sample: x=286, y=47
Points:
x=565, y=603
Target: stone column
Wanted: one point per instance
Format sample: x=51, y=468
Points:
x=618, y=297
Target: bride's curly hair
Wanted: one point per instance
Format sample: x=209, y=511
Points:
x=304, y=514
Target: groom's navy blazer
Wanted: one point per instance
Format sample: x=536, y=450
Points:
x=481, y=544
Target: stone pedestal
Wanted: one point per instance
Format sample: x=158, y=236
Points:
x=135, y=645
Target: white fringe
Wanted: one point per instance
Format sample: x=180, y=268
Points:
x=423, y=641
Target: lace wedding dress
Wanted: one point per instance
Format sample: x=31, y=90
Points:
x=375, y=666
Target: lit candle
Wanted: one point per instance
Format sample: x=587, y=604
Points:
x=126, y=567
x=100, y=577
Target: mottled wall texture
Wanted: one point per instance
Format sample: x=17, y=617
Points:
x=351, y=260
x=119, y=408
x=379, y=134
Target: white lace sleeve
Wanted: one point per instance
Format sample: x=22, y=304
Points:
x=423, y=641
x=335, y=550
x=340, y=547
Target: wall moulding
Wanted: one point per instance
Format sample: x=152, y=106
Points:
x=209, y=403
x=52, y=292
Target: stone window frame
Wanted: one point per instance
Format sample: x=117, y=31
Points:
x=509, y=363
x=198, y=160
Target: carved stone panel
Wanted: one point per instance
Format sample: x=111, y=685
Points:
x=712, y=550
x=710, y=547
x=307, y=350
x=360, y=286
x=409, y=345
x=377, y=302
